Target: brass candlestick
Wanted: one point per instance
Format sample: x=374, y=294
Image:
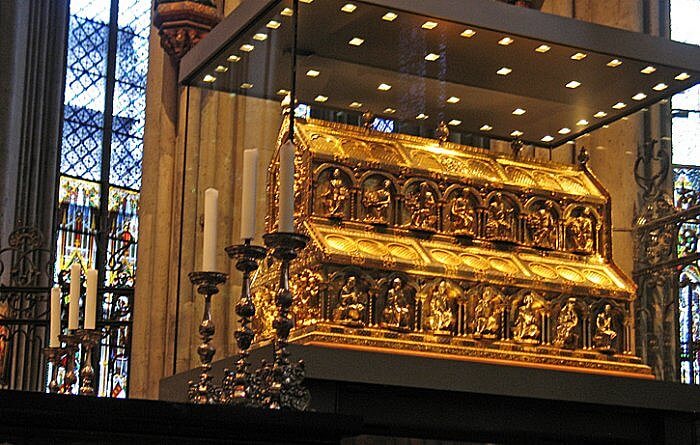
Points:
x=285, y=389
x=88, y=338
x=237, y=387
x=72, y=343
x=203, y=391
x=53, y=356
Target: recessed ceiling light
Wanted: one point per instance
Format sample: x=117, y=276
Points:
x=429, y=25
x=455, y=122
x=619, y=105
x=287, y=12
x=273, y=24
x=422, y=116
x=246, y=85
x=321, y=98
x=221, y=69
x=543, y=48
x=348, y=7
x=625, y=118
x=432, y=57
x=660, y=86
x=282, y=92
x=233, y=58
x=356, y=41
x=389, y=16
x=648, y=70
x=389, y=110
x=639, y=96
x=468, y=33
x=682, y=76
x=504, y=71
x=519, y=112
x=260, y=37
x=247, y=47
x=209, y=78
x=505, y=41
x=306, y=1
x=614, y=63
x=600, y=114
x=582, y=122
x=516, y=133
x=313, y=73
x=355, y=105
x=579, y=56
x=573, y=84
x=384, y=87
x=453, y=100
x=486, y=127
x=565, y=130
x=547, y=138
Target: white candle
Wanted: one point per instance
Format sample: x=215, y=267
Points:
x=286, y=188
x=211, y=202
x=91, y=299
x=249, y=193
x=74, y=301
x=55, y=320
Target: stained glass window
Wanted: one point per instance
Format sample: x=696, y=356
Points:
x=686, y=159
x=383, y=125
x=100, y=165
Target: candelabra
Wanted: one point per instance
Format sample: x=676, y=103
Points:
x=284, y=388
x=88, y=339
x=237, y=387
x=53, y=355
x=204, y=391
x=72, y=343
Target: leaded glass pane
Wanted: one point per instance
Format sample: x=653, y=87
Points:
x=686, y=139
x=78, y=211
x=689, y=323
x=123, y=237
x=86, y=71
x=130, y=93
x=383, y=125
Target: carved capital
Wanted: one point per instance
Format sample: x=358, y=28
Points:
x=182, y=24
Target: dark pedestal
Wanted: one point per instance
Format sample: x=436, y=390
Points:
x=411, y=396
x=36, y=418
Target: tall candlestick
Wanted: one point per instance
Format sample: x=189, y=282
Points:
x=55, y=320
x=249, y=193
x=91, y=299
x=74, y=302
x=211, y=202
x=286, y=188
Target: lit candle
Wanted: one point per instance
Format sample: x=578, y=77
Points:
x=211, y=202
x=74, y=301
x=248, y=193
x=286, y=188
x=55, y=321
x=91, y=299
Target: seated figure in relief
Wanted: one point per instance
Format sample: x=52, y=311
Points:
x=396, y=310
x=423, y=207
x=526, y=328
x=579, y=232
x=462, y=215
x=604, y=334
x=351, y=306
x=499, y=223
x=487, y=314
x=566, y=323
x=333, y=199
x=542, y=227
x=441, y=318
x=377, y=203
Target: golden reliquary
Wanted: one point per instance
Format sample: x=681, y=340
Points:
x=433, y=248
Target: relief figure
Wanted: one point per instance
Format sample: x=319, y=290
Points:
x=487, y=315
x=499, y=224
x=377, y=203
x=604, y=334
x=351, y=306
x=423, y=207
x=396, y=310
x=542, y=227
x=441, y=318
x=579, y=232
x=462, y=215
x=526, y=328
x=333, y=199
x=566, y=323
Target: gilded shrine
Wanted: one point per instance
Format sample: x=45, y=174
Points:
x=424, y=246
